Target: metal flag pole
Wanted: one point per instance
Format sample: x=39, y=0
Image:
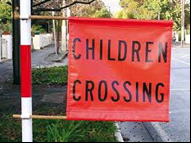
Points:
x=26, y=84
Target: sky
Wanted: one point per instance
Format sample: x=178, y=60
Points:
x=113, y=4
x=188, y=1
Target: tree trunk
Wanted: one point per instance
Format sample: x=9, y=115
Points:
x=58, y=38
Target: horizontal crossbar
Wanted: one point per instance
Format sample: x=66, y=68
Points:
x=38, y=17
x=41, y=117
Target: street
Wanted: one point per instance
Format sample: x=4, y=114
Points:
x=178, y=130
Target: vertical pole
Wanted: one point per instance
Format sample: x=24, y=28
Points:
x=68, y=14
x=58, y=37
x=159, y=13
x=54, y=31
x=0, y=45
x=26, y=84
x=183, y=23
x=64, y=28
x=16, y=44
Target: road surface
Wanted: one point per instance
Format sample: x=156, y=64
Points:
x=178, y=130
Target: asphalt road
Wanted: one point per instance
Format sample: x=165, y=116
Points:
x=178, y=130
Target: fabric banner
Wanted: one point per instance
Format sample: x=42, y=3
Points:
x=119, y=70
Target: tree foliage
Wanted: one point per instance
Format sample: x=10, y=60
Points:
x=96, y=9
x=103, y=13
x=134, y=9
x=155, y=9
x=5, y=17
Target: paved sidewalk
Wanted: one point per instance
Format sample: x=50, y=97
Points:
x=6, y=72
x=40, y=58
x=178, y=45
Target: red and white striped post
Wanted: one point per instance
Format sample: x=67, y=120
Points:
x=26, y=83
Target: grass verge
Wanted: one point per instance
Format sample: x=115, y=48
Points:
x=50, y=76
x=59, y=131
